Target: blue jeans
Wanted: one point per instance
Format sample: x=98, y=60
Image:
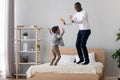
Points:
x=81, y=41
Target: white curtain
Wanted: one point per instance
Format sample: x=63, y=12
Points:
x=8, y=43
x=2, y=24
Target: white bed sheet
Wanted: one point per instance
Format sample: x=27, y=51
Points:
x=92, y=68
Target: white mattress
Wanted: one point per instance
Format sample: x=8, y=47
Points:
x=91, y=68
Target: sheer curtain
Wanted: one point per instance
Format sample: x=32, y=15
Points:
x=2, y=16
x=7, y=47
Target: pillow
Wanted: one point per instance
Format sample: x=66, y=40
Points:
x=91, y=57
x=77, y=58
x=66, y=59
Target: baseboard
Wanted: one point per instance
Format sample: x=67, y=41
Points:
x=110, y=78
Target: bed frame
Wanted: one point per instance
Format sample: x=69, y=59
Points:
x=99, y=56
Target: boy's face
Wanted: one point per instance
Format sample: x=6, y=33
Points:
x=58, y=30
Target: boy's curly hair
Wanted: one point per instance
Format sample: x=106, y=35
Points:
x=54, y=29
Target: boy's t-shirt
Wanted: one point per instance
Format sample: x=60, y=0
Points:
x=57, y=39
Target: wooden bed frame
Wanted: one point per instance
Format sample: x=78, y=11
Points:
x=99, y=57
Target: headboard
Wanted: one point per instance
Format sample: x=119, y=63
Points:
x=99, y=53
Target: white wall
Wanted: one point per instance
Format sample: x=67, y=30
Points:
x=104, y=17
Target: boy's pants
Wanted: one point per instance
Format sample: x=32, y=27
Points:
x=56, y=54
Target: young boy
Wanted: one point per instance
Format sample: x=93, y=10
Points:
x=56, y=42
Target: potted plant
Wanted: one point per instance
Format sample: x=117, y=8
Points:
x=25, y=35
x=116, y=55
x=38, y=47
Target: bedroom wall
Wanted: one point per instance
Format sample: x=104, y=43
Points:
x=103, y=16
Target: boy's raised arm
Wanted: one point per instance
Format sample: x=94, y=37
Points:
x=50, y=30
x=60, y=36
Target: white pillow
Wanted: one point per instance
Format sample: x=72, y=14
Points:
x=77, y=58
x=91, y=57
x=66, y=59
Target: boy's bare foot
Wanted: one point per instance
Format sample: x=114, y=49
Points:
x=51, y=64
x=55, y=64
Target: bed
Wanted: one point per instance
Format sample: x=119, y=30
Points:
x=99, y=57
